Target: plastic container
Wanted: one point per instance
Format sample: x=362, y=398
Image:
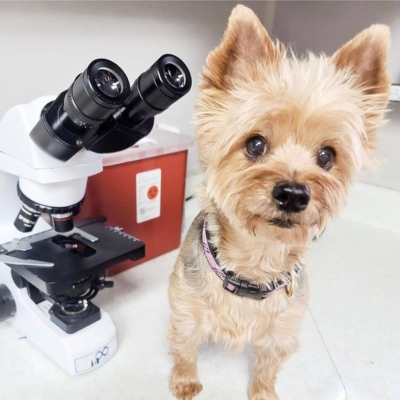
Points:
x=142, y=190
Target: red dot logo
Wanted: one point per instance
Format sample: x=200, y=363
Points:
x=152, y=193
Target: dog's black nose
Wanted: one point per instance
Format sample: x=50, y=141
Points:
x=291, y=197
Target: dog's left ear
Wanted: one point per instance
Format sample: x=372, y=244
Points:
x=245, y=44
x=365, y=57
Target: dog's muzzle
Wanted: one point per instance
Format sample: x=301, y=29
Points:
x=282, y=223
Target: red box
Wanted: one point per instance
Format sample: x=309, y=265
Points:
x=113, y=192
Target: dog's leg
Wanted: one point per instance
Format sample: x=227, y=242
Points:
x=184, y=383
x=268, y=362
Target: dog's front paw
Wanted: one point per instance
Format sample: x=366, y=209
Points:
x=184, y=384
x=185, y=389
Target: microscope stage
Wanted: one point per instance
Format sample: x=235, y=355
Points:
x=75, y=258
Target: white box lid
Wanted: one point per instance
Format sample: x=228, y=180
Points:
x=158, y=143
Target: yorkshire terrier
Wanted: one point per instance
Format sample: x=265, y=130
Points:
x=280, y=141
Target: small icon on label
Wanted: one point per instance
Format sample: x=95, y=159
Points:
x=152, y=193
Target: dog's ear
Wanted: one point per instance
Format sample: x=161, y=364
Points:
x=366, y=56
x=244, y=45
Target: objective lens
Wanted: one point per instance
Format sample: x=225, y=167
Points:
x=108, y=82
x=26, y=218
x=174, y=75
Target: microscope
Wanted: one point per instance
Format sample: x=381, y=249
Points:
x=51, y=267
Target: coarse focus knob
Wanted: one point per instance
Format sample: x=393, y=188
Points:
x=7, y=303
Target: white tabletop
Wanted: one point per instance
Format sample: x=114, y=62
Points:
x=349, y=341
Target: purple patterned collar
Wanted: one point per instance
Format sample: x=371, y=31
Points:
x=242, y=287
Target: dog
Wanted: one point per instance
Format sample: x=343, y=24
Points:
x=280, y=140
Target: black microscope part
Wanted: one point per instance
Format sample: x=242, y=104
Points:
x=56, y=133
x=165, y=82
x=103, y=114
x=26, y=218
x=74, y=319
x=108, y=82
x=90, y=100
x=79, y=271
x=62, y=223
x=96, y=93
x=30, y=212
x=74, y=246
x=73, y=274
x=7, y=303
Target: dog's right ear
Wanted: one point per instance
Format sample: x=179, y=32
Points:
x=244, y=46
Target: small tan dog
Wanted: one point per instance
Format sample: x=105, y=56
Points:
x=280, y=141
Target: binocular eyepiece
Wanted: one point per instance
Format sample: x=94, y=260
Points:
x=96, y=94
x=102, y=113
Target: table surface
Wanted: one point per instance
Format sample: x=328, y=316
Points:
x=349, y=341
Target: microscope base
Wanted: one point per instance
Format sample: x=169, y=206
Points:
x=75, y=353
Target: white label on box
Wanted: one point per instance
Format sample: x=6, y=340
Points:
x=96, y=358
x=148, y=195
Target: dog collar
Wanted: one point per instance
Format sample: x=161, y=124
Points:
x=241, y=287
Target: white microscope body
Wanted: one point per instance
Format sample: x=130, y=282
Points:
x=46, y=180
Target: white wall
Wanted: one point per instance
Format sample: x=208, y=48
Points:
x=325, y=26
x=44, y=45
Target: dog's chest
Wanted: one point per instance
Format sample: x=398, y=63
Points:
x=238, y=321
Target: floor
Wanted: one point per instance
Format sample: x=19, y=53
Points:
x=350, y=342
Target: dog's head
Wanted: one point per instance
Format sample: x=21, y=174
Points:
x=280, y=139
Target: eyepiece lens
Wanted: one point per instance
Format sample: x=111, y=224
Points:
x=174, y=75
x=108, y=82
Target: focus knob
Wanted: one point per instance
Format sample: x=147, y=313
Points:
x=7, y=303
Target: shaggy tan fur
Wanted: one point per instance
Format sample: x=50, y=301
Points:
x=252, y=86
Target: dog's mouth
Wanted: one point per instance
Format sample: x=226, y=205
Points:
x=282, y=223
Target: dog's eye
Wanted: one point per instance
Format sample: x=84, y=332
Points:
x=326, y=157
x=256, y=146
